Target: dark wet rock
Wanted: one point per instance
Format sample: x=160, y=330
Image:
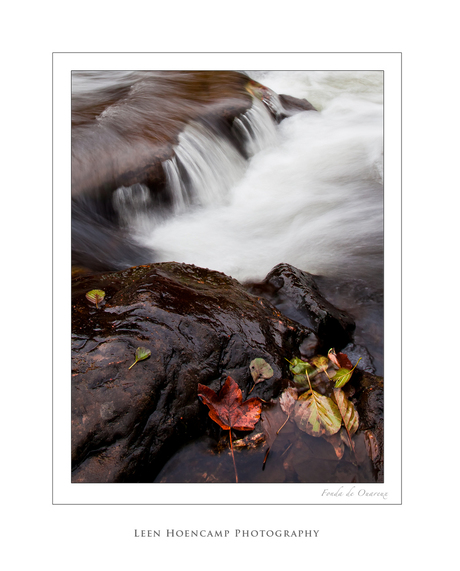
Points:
x=200, y=326
x=296, y=294
x=369, y=402
x=292, y=105
x=364, y=301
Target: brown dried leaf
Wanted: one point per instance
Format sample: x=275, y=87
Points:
x=340, y=360
x=287, y=400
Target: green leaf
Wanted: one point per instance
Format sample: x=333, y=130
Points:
x=343, y=375
x=260, y=370
x=95, y=296
x=317, y=414
x=347, y=411
x=141, y=354
x=341, y=378
x=299, y=367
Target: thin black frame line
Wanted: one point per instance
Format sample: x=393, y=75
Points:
x=230, y=53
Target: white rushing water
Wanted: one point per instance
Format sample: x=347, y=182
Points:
x=310, y=195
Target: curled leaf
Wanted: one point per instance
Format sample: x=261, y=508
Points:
x=347, y=411
x=340, y=360
x=95, y=296
x=141, y=354
x=317, y=414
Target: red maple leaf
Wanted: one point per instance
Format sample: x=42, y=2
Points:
x=228, y=409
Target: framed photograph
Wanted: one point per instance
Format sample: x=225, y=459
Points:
x=227, y=278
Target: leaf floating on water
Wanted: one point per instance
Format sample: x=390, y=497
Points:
x=141, y=354
x=229, y=411
x=347, y=411
x=287, y=400
x=317, y=414
x=95, y=296
x=227, y=407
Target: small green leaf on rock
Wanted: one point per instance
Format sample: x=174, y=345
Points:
x=260, y=371
x=95, y=296
x=141, y=354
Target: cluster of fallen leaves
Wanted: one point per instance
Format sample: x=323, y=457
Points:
x=333, y=417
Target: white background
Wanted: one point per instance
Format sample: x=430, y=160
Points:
x=419, y=531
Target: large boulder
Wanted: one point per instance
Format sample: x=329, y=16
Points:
x=296, y=294
x=200, y=326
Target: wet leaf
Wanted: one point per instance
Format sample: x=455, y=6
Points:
x=340, y=360
x=300, y=369
x=317, y=414
x=343, y=375
x=287, y=400
x=260, y=371
x=229, y=411
x=227, y=407
x=320, y=362
x=347, y=411
x=95, y=296
x=341, y=378
x=141, y=354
